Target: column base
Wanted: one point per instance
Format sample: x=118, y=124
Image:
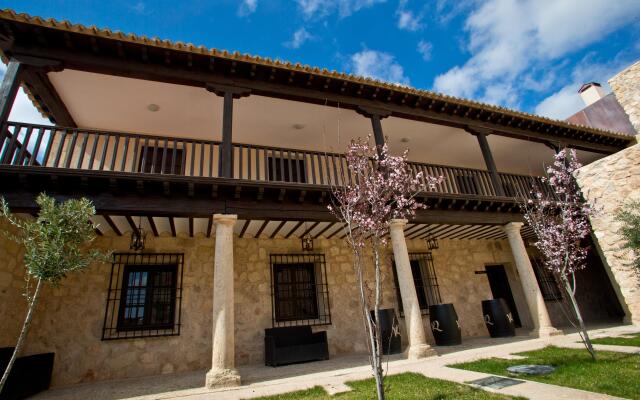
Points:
x=220, y=378
x=416, y=352
x=545, y=332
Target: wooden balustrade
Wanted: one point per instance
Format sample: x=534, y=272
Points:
x=29, y=145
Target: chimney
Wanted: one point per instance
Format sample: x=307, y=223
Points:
x=591, y=92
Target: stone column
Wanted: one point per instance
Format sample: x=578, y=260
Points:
x=418, y=347
x=538, y=310
x=222, y=373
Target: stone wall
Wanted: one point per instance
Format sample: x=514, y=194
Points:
x=69, y=318
x=626, y=88
x=609, y=183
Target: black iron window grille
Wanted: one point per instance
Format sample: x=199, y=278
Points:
x=286, y=169
x=547, y=281
x=424, y=279
x=144, y=297
x=299, y=290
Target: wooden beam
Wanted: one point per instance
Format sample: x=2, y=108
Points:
x=190, y=226
x=226, y=148
x=9, y=90
x=43, y=90
x=323, y=230
x=209, y=226
x=488, y=159
x=264, y=225
x=335, y=232
x=307, y=231
x=172, y=225
x=112, y=224
x=275, y=231
x=132, y=223
x=244, y=228
x=295, y=228
x=153, y=226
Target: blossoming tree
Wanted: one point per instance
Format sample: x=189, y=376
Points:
x=383, y=188
x=560, y=219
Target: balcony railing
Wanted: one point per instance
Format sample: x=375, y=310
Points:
x=28, y=145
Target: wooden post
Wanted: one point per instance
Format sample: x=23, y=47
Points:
x=488, y=159
x=226, y=150
x=9, y=89
x=228, y=93
x=375, y=115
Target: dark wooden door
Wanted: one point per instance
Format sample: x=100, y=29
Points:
x=501, y=290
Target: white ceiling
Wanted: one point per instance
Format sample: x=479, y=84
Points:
x=120, y=104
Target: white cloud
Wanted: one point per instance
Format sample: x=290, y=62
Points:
x=508, y=38
x=298, y=39
x=425, y=48
x=23, y=109
x=323, y=8
x=247, y=7
x=407, y=20
x=566, y=101
x=378, y=65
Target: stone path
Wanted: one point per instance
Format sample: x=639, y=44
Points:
x=332, y=374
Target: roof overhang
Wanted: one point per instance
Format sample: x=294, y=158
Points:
x=49, y=45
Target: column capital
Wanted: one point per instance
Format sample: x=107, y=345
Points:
x=478, y=130
x=371, y=111
x=398, y=223
x=512, y=227
x=225, y=219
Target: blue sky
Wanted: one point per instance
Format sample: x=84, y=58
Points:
x=530, y=55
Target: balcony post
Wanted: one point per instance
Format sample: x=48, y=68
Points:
x=228, y=93
x=488, y=159
x=375, y=115
x=9, y=89
x=222, y=372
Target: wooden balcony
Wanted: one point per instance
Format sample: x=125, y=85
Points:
x=28, y=146
x=38, y=147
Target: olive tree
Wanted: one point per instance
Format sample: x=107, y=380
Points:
x=629, y=217
x=55, y=244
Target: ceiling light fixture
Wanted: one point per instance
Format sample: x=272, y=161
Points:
x=298, y=126
x=405, y=140
x=153, y=107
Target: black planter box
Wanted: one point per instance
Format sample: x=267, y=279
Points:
x=294, y=345
x=444, y=324
x=29, y=375
x=498, y=318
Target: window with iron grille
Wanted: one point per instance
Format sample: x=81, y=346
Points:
x=547, y=281
x=161, y=160
x=286, y=169
x=424, y=279
x=144, y=297
x=299, y=291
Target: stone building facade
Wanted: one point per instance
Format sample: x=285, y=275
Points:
x=69, y=318
x=626, y=88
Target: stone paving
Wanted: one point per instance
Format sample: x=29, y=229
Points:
x=332, y=374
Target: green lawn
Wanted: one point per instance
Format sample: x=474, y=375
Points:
x=631, y=340
x=616, y=374
x=399, y=387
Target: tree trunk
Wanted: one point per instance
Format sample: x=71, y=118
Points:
x=585, y=335
x=378, y=349
x=23, y=334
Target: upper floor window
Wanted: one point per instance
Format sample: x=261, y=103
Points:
x=300, y=293
x=286, y=169
x=424, y=280
x=161, y=160
x=145, y=292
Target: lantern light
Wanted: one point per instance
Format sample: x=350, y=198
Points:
x=138, y=237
